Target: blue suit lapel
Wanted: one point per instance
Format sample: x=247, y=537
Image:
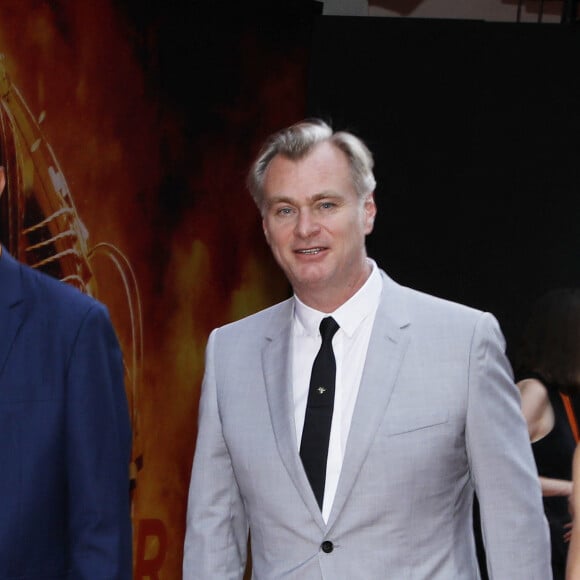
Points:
x=11, y=304
x=276, y=365
x=387, y=347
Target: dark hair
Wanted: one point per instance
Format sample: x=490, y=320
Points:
x=550, y=343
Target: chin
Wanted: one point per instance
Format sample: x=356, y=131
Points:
x=310, y=281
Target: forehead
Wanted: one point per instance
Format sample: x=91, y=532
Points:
x=324, y=168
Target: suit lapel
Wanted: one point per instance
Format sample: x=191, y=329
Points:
x=276, y=364
x=11, y=304
x=387, y=347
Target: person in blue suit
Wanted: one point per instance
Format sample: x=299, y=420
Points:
x=65, y=433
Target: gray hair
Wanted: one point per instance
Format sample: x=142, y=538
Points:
x=296, y=141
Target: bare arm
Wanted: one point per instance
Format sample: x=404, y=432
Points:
x=573, y=563
x=536, y=408
x=539, y=416
x=555, y=487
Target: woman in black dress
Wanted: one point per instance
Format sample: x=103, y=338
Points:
x=547, y=368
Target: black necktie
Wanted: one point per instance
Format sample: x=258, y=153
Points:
x=316, y=432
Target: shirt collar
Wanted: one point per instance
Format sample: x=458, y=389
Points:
x=350, y=314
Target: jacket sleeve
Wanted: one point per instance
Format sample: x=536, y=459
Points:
x=98, y=452
x=217, y=529
x=514, y=526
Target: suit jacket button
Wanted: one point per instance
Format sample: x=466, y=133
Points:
x=327, y=547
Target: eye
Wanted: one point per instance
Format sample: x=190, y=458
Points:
x=283, y=211
x=327, y=205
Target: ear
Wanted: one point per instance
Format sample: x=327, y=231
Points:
x=370, y=211
x=265, y=230
x=2, y=180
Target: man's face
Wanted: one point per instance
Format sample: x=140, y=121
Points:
x=316, y=224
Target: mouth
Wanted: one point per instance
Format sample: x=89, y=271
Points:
x=310, y=251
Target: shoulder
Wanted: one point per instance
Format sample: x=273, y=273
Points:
x=240, y=342
x=533, y=391
x=251, y=332
x=419, y=305
x=536, y=408
x=272, y=317
x=440, y=322
x=443, y=306
x=58, y=299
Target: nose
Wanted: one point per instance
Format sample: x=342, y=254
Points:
x=306, y=224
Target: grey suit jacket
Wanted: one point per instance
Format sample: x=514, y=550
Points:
x=437, y=418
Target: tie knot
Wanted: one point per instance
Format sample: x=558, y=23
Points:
x=328, y=328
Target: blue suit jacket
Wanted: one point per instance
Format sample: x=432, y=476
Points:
x=65, y=436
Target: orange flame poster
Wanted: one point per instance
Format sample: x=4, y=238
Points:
x=131, y=130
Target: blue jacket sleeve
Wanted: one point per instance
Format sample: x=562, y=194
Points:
x=98, y=452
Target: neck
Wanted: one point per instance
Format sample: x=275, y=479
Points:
x=328, y=298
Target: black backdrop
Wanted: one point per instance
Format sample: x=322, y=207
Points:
x=475, y=129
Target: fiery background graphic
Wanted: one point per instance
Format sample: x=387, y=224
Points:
x=153, y=117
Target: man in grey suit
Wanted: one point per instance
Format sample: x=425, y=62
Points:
x=425, y=410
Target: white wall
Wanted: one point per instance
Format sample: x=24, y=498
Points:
x=548, y=11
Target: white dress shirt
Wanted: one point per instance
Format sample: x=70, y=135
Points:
x=355, y=318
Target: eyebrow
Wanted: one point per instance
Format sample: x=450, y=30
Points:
x=314, y=198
